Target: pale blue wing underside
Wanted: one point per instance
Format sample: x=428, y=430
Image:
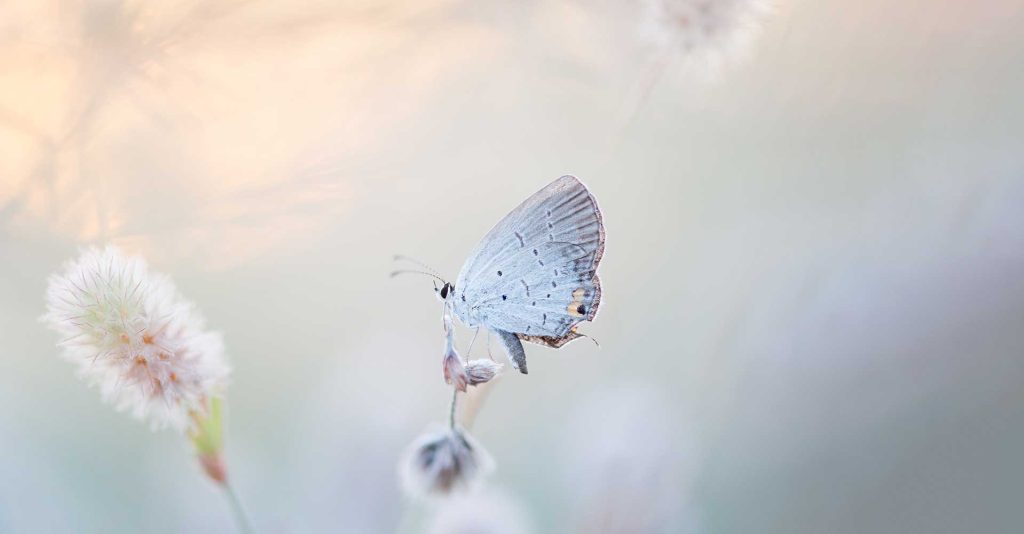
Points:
x=535, y=273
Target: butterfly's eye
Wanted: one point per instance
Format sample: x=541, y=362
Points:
x=444, y=290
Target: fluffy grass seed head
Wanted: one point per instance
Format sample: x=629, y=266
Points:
x=444, y=462
x=132, y=334
x=707, y=32
x=482, y=371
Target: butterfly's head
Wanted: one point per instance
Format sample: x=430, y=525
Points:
x=444, y=291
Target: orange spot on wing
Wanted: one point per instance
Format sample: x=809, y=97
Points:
x=576, y=307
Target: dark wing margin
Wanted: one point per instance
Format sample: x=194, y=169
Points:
x=598, y=250
x=550, y=341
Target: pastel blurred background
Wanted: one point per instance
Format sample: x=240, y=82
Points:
x=814, y=308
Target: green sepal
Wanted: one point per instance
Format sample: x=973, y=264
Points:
x=208, y=433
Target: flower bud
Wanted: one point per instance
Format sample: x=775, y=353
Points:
x=454, y=371
x=481, y=371
x=207, y=436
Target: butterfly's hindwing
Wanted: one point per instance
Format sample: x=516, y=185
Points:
x=548, y=341
x=544, y=302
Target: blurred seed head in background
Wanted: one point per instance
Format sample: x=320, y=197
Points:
x=442, y=462
x=486, y=512
x=813, y=283
x=705, y=33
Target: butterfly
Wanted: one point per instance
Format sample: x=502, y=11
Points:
x=533, y=277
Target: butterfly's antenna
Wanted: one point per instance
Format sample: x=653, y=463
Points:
x=412, y=271
x=399, y=257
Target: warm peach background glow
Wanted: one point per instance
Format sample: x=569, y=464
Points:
x=813, y=291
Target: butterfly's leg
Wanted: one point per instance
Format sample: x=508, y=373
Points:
x=469, y=351
x=444, y=318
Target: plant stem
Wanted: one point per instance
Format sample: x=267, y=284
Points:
x=451, y=412
x=474, y=402
x=241, y=518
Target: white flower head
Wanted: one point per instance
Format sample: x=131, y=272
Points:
x=133, y=335
x=706, y=32
x=443, y=462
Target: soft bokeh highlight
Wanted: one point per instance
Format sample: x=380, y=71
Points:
x=812, y=282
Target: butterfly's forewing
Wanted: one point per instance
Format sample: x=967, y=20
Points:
x=534, y=274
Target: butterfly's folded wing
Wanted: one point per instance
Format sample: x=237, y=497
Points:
x=535, y=273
